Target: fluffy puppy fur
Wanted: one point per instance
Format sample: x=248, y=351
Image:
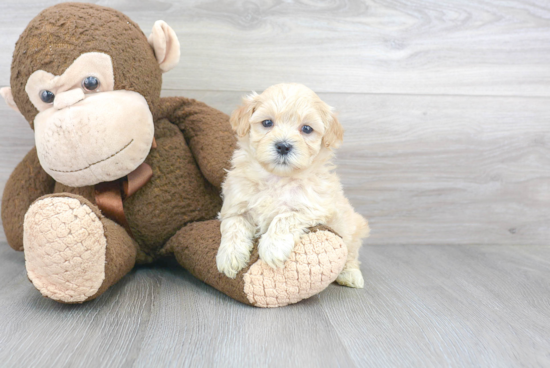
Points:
x=281, y=181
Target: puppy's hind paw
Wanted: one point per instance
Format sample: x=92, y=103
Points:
x=351, y=277
x=230, y=260
x=275, y=250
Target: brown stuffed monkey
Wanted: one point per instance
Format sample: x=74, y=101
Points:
x=120, y=176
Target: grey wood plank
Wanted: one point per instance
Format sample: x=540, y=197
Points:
x=455, y=306
x=37, y=332
x=416, y=47
x=157, y=316
x=429, y=306
x=215, y=331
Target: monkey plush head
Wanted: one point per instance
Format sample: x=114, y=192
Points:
x=88, y=81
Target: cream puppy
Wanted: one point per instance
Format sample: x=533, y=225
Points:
x=281, y=181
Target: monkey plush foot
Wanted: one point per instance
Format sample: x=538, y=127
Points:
x=314, y=264
x=72, y=253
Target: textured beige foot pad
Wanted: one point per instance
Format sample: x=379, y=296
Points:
x=65, y=248
x=315, y=263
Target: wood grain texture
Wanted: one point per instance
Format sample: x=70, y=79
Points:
x=423, y=306
x=447, y=152
x=420, y=46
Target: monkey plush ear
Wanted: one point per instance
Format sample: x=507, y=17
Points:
x=165, y=43
x=6, y=93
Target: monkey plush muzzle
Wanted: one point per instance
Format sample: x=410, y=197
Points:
x=87, y=139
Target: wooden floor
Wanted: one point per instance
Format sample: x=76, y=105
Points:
x=422, y=306
x=446, y=106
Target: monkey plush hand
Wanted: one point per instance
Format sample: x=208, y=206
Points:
x=120, y=176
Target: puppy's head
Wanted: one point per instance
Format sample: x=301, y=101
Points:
x=287, y=128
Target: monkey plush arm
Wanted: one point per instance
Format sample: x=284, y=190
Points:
x=207, y=132
x=27, y=183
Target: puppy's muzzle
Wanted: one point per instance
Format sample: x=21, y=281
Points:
x=283, y=148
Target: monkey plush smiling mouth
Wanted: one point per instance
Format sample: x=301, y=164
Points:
x=86, y=132
x=80, y=107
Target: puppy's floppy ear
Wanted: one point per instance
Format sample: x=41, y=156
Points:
x=334, y=132
x=240, y=119
x=165, y=43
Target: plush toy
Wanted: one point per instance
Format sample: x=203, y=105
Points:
x=120, y=176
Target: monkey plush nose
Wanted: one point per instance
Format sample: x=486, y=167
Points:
x=66, y=99
x=283, y=148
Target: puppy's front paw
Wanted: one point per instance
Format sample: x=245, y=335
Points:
x=351, y=277
x=232, y=258
x=275, y=250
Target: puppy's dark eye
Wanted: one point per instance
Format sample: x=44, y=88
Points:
x=90, y=83
x=47, y=96
x=267, y=123
x=307, y=129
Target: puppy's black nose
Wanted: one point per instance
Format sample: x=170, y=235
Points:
x=283, y=148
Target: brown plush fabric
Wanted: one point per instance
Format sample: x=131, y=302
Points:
x=86, y=192
x=195, y=248
x=177, y=193
x=27, y=183
x=321, y=227
x=61, y=33
x=120, y=257
x=207, y=133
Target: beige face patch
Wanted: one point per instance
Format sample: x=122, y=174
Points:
x=101, y=138
x=86, y=137
x=91, y=64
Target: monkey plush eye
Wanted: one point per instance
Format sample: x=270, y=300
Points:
x=90, y=83
x=47, y=96
x=307, y=129
x=267, y=123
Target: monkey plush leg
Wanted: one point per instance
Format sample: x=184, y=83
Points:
x=72, y=252
x=27, y=183
x=314, y=264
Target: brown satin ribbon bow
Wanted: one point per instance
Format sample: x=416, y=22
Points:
x=109, y=196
